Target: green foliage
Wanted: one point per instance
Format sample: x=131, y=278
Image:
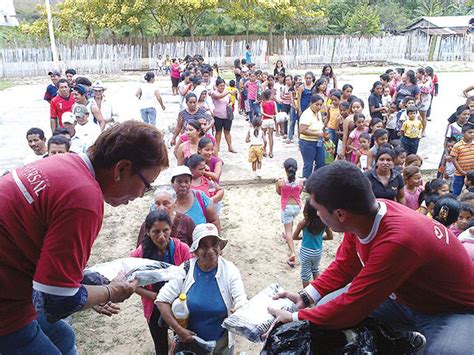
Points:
x=81, y=19
x=363, y=21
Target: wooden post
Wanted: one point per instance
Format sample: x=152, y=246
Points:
x=51, y=34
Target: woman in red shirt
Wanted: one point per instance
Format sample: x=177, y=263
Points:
x=175, y=76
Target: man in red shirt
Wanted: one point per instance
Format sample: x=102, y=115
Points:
x=394, y=264
x=63, y=102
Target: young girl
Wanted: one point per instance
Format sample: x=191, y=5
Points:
x=353, y=142
x=391, y=125
x=465, y=215
x=312, y=246
x=438, y=187
x=343, y=113
x=446, y=211
x=413, y=188
x=356, y=106
x=184, y=137
x=304, y=92
x=380, y=137
x=206, y=148
x=332, y=117
x=401, y=156
x=194, y=132
x=414, y=159
x=200, y=182
x=454, y=130
x=319, y=88
x=362, y=153
x=158, y=245
x=290, y=189
x=346, y=92
x=256, y=138
x=268, y=108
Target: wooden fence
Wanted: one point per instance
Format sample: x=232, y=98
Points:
x=110, y=56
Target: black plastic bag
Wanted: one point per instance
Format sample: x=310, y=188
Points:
x=292, y=338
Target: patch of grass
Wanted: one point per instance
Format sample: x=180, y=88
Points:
x=5, y=84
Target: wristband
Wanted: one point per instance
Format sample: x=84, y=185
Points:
x=306, y=300
x=109, y=298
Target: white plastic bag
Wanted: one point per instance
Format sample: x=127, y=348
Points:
x=253, y=320
x=145, y=270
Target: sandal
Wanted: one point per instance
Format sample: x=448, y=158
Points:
x=270, y=155
x=291, y=262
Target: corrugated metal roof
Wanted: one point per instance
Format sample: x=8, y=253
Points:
x=444, y=21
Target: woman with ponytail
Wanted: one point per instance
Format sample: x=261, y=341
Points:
x=290, y=189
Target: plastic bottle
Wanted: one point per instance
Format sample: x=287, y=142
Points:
x=212, y=187
x=180, y=310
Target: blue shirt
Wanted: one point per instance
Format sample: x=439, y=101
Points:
x=305, y=99
x=312, y=241
x=207, y=309
x=248, y=57
x=196, y=212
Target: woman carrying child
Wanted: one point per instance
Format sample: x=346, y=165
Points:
x=214, y=164
x=290, y=189
x=311, y=249
x=353, y=142
x=194, y=132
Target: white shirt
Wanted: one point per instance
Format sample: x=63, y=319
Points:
x=87, y=133
x=229, y=282
x=148, y=98
x=256, y=140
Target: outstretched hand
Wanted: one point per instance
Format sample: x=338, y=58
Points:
x=292, y=296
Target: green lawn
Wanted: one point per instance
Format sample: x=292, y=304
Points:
x=5, y=84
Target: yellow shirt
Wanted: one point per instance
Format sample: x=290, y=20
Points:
x=333, y=116
x=412, y=128
x=233, y=92
x=314, y=123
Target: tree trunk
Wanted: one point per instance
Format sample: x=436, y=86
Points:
x=270, y=40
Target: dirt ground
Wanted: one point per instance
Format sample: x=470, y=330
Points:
x=251, y=223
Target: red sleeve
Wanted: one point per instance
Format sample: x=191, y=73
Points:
x=66, y=248
x=53, y=110
x=342, y=270
x=388, y=267
x=181, y=252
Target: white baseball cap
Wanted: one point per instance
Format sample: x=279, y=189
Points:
x=68, y=117
x=98, y=85
x=205, y=230
x=181, y=170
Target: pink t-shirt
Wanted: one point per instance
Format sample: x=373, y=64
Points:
x=252, y=89
x=175, y=71
x=220, y=106
x=269, y=109
x=184, y=138
x=355, y=135
x=411, y=197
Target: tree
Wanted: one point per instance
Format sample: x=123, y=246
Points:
x=162, y=12
x=190, y=12
x=243, y=11
x=364, y=21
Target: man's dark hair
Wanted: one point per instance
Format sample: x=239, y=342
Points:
x=70, y=71
x=37, y=131
x=341, y=185
x=412, y=109
x=59, y=140
x=83, y=81
x=61, y=131
x=61, y=81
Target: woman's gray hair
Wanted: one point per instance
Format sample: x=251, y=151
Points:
x=166, y=189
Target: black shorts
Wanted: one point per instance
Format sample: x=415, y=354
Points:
x=220, y=123
x=175, y=82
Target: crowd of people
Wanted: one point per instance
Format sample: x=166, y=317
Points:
x=403, y=236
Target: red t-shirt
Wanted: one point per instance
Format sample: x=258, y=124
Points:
x=416, y=258
x=50, y=214
x=59, y=105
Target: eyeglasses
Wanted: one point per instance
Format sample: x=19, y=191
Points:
x=148, y=186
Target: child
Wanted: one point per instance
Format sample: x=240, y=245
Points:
x=343, y=113
x=386, y=98
x=467, y=238
x=268, y=108
x=290, y=191
x=333, y=115
x=411, y=131
x=312, y=246
x=362, y=153
x=400, y=158
x=446, y=210
x=200, y=182
x=427, y=204
x=391, y=125
x=438, y=187
x=234, y=93
x=158, y=245
x=252, y=87
x=413, y=159
x=446, y=167
x=380, y=137
x=454, y=130
x=413, y=187
x=206, y=149
x=463, y=157
x=469, y=181
x=401, y=114
x=356, y=106
x=465, y=215
x=329, y=147
x=353, y=142
x=256, y=138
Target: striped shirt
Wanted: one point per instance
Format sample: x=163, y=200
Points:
x=464, y=154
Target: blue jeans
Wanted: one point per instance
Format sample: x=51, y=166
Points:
x=458, y=184
x=410, y=144
x=149, y=115
x=254, y=110
x=294, y=119
x=446, y=333
x=40, y=337
x=313, y=154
